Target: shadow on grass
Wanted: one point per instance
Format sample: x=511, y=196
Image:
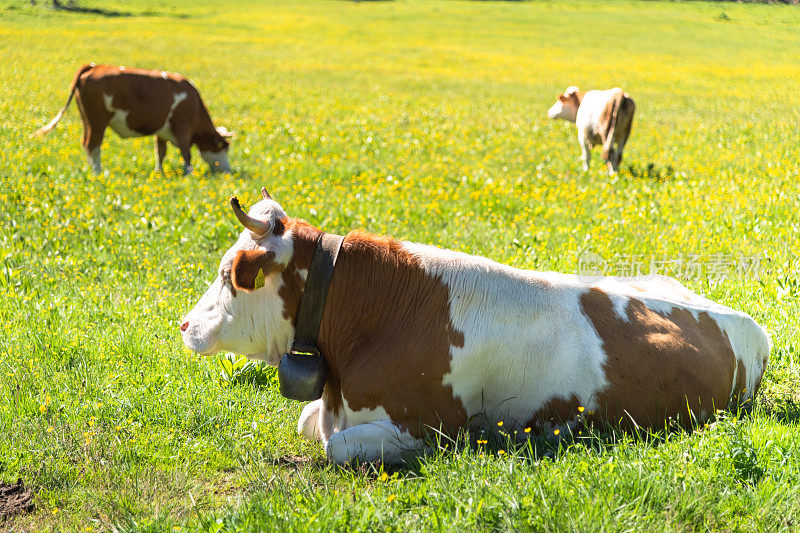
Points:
x=597, y=437
x=72, y=7
x=783, y=410
x=651, y=171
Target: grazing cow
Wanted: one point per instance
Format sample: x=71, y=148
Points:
x=136, y=103
x=602, y=117
x=416, y=337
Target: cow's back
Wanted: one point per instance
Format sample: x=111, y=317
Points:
x=542, y=349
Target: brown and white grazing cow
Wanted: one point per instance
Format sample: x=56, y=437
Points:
x=135, y=103
x=602, y=117
x=417, y=337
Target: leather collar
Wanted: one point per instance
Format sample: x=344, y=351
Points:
x=315, y=292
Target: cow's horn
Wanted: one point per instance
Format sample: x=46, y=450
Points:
x=264, y=194
x=259, y=227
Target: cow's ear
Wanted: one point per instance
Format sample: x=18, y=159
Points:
x=251, y=267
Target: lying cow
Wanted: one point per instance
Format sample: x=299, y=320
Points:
x=136, y=103
x=416, y=337
x=602, y=117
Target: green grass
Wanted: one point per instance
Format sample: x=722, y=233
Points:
x=422, y=120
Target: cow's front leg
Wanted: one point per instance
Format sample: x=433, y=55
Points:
x=185, y=146
x=308, y=424
x=93, y=157
x=161, y=151
x=382, y=440
x=611, y=165
x=586, y=150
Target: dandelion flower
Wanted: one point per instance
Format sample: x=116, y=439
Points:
x=42, y=408
x=500, y=423
x=556, y=431
x=391, y=498
x=501, y=452
x=527, y=430
x=384, y=476
x=581, y=409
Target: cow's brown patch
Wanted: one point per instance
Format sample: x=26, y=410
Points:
x=573, y=99
x=304, y=239
x=741, y=378
x=386, y=330
x=248, y=263
x=615, y=123
x=740, y=392
x=389, y=332
x=659, y=366
x=556, y=412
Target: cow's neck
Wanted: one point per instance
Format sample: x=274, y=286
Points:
x=383, y=313
x=304, y=238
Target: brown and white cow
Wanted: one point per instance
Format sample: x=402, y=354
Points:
x=602, y=117
x=417, y=337
x=135, y=103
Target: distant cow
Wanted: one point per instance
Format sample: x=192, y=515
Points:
x=136, y=103
x=416, y=337
x=602, y=117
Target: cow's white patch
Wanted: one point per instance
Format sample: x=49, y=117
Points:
x=556, y=110
x=119, y=120
x=380, y=440
x=165, y=131
x=217, y=161
x=363, y=416
x=751, y=345
x=308, y=423
x=250, y=323
x=526, y=340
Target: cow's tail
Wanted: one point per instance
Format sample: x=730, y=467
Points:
x=616, y=104
x=44, y=130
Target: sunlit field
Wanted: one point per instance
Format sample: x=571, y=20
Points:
x=424, y=120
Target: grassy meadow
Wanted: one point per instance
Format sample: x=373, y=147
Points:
x=425, y=120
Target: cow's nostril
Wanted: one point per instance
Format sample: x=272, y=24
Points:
x=184, y=326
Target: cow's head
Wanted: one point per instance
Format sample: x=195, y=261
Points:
x=242, y=311
x=566, y=106
x=213, y=147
